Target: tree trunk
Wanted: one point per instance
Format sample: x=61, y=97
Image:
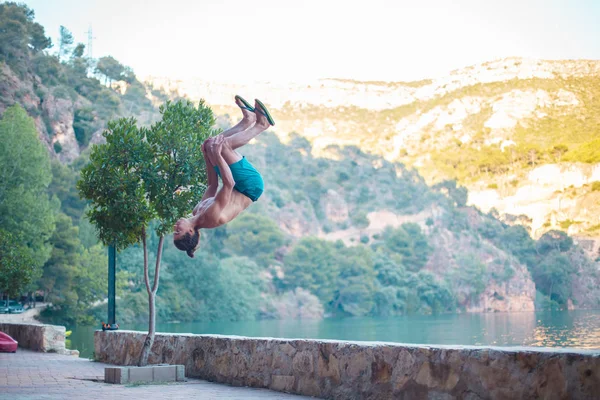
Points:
x=151, y=299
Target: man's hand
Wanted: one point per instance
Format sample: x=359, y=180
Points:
x=216, y=145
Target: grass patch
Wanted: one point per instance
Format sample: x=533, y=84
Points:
x=567, y=223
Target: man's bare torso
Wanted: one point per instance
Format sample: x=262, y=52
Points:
x=236, y=205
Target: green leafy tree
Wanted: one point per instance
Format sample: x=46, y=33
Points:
x=554, y=240
x=471, y=275
x=457, y=194
x=19, y=35
x=433, y=294
x=553, y=277
x=132, y=180
x=74, y=277
x=238, y=289
x=110, y=68
x=78, y=50
x=63, y=186
x=25, y=209
x=65, y=42
x=355, y=284
x=17, y=269
x=312, y=264
x=254, y=235
x=408, y=245
x=391, y=286
x=59, y=270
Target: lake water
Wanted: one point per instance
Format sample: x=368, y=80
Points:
x=577, y=329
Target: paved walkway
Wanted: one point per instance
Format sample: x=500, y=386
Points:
x=30, y=375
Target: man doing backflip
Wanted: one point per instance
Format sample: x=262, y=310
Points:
x=242, y=183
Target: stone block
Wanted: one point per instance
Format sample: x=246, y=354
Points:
x=180, y=373
x=165, y=373
x=118, y=375
x=151, y=373
x=141, y=374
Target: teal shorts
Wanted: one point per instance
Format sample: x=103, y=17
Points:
x=248, y=180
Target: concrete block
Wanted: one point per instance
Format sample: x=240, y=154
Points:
x=141, y=374
x=180, y=373
x=166, y=373
x=118, y=375
x=151, y=373
x=109, y=375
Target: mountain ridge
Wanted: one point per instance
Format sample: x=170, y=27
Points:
x=491, y=126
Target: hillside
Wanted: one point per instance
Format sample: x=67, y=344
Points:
x=521, y=135
x=362, y=214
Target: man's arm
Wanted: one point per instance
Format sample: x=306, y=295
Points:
x=213, y=180
x=224, y=195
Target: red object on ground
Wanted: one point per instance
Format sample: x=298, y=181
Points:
x=7, y=344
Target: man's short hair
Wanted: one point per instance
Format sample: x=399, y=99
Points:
x=188, y=243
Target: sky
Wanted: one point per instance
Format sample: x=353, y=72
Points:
x=283, y=40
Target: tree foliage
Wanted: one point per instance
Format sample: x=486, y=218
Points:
x=65, y=42
x=134, y=177
x=254, y=235
x=19, y=35
x=25, y=208
x=17, y=268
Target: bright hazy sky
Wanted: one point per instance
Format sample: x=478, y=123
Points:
x=283, y=40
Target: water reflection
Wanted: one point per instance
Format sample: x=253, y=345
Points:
x=580, y=329
x=569, y=329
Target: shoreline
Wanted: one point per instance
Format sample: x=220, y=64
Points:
x=29, y=316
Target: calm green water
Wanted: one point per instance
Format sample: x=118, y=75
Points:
x=579, y=329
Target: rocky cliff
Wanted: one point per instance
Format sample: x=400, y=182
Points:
x=515, y=112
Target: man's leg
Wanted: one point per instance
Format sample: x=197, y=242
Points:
x=241, y=138
x=248, y=119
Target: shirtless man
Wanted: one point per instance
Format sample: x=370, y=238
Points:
x=242, y=183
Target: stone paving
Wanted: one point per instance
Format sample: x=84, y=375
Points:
x=30, y=375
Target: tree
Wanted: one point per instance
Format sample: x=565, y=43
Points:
x=408, y=245
x=132, y=180
x=312, y=264
x=63, y=186
x=554, y=240
x=59, y=270
x=78, y=51
x=559, y=150
x=17, y=268
x=26, y=212
x=74, y=277
x=553, y=277
x=19, y=35
x=355, y=286
x=458, y=194
x=254, y=235
x=110, y=68
x=66, y=42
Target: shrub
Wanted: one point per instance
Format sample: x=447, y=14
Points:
x=57, y=147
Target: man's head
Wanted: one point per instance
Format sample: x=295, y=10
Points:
x=186, y=237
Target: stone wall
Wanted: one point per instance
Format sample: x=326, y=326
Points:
x=367, y=370
x=38, y=337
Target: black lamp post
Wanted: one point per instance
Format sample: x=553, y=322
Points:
x=112, y=266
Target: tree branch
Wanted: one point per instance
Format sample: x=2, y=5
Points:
x=146, y=276
x=157, y=267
